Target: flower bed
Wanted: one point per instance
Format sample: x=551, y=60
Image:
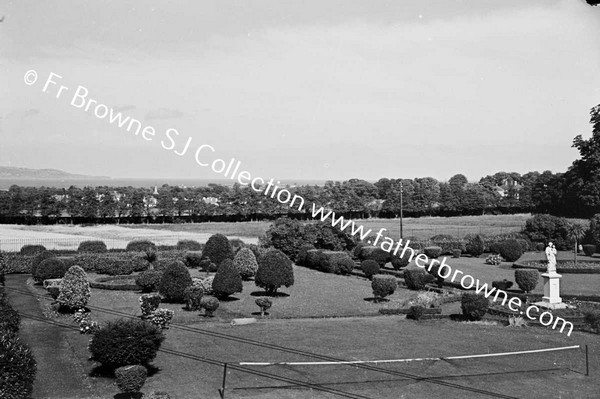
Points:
x=118, y=283
x=562, y=266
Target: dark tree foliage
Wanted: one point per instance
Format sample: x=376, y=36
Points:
x=175, y=279
x=227, y=281
x=218, y=249
x=274, y=271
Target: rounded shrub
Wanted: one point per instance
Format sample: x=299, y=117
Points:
x=302, y=253
x=30, y=250
x=50, y=268
x=370, y=268
x=510, y=250
x=433, y=270
x=502, y=285
x=375, y=253
x=39, y=258
x=245, y=263
x=148, y=304
x=189, y=245
x=148, y=280
x=92, y=246
x=383, y=285
x=589, y=249
x=456, y=253
x=218, y=249
x=193, y=258
x=227, y=280
x=313, y=258
x=525, y=245
x=130, y=379
x=127, y=341
x=476, y=246
x=274, y=271
x=175, y=279
x=415, y=312
x=140, y=246
x=527, y=279
x=17, y=368
x=9, y=319
x=474, y=306
x=432, y=252
x=236, y=244
x=74, y=289
x=398, y=262
x=415, y=279
x=264, y=304
x=210, y=304
x=345, y=265
x=193, y=297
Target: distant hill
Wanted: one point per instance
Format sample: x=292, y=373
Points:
x=9, y=172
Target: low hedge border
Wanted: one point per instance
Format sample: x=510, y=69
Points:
x=586, y=270
x=103, y=283
x=395, y=311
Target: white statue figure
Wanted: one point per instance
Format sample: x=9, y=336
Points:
x=551, y=256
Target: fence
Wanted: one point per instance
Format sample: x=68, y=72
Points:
x=65, y=244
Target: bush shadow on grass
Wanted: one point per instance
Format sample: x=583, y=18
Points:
x=458, y=317
x=228, y=299
x=137, y=395
x=376, y=300
x=258, y=314
x=103, y=371
x=264, y=293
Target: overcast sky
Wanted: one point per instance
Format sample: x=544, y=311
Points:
x=302, y=89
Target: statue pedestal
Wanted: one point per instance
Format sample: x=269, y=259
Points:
x=551, y=298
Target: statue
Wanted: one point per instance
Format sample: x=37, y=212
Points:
x=551, y=256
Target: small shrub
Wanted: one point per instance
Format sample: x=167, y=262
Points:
x=140, y=246
x=29, y=250
x=264, y=304
x=456, y=253
x=592, y=318
x=370, y=268
x=148, y=304
x=345, y=265
x=92, y=246
x=589, y=249
x=475, y=246
x=516, y=321
x=313, y=258
x=74, y=289
x=161, y=318
x=474, y=306
x=206, y=285
x=432, y=252
x=54, y=291
x=330, y=261
x=86, y=324
x=377, y=254
x=115, y=267
x=502, y=285
x=192, y=296
x=148, y=280
x=415, y=279
x=540, y=246
x=210, y=304
x=493, y=260
x=524, y=244
x=398, y=262
x=17, y=368
x=217, y=248
x=245, y=263
x=9, y=319
x=123, y=342
x=193, y=258
x=189, y=245
x=157, y=395
x=510, y=250
x=383, y=285
x=175, y=279
x=130, y=379
x=433, y=270
x=302, y=252
x=415, y=312
x=48, y=269
x=427, y=300
x=227, y=281
x=39, y=258
x=236, y=244
x=527, y=279
x=274, y=271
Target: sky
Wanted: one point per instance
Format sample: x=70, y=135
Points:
x=322, y=89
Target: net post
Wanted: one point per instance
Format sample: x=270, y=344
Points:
x=587, y=363
x=222, y=389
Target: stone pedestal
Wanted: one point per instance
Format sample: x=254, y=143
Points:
x=551, y=298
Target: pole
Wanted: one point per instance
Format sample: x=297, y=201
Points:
x=587, y=364
x=401, y=210
x=222, y=389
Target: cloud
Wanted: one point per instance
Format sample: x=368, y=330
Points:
x=164, y=113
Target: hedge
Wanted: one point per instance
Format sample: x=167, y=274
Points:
x=474, y=306
x=94, y=246
x=336, y=262
x=589, y=249
x=375, y=253
x=383, y=285
x=32, y=249
x=415, y=279
x=140, y=246
x=189, y=245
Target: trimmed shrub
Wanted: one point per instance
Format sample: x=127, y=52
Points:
x=140, y=246
x=433, y=270
x=375, y=253
x=313, y=258
x=193, y=258
x=148, y=304
x=274, y=271
x=502, y=285
x=449, y=244
x=589, y=249
x=115, y=267
x=302, y=253
x=30, y=250
x=49, y=268
x=527, y=279
x=130, y=379
x=127, y=341
x=592, y=318
x=493, y=260
x=74, y=289
x=9, y=319
x=358, y=249
x=148, y=280
x=415, y=312
x=399, y=262
x=540, y=246
x=264, y=304
x=257, y=251
x=370, y=268
x=475, y=246
x=227, y=280
x=193, y=297
x=245, y=263
x=161, y=317
x=17, y=368
x=525, y=245
x=345, y=265
x=415, y=279
x=236, y=244
x=383, y=285
x=456, y=253
x=189, y=245
x=432, y=252
x=39, y=258
x=206, y=284
x=474, y=306
x=175, y=279
x=93, y=246
x=218, y=249
x=329, y=261
x=210, y=304
x=510, y=250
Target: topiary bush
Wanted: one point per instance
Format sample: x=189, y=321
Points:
x=210, y=304
x=92, y=246
x=456, y=253
x=274, y=271
x=432, y=252
x=49, y=268
x=527, y=279
x=193, y=259
x=302, y=254
x=264, y=304
x=236, y=244
x=115, y=267
x=175, y=279
x=218, y=249
x=502, y=285
x=415, y=312
x=9, y=319
x=149, y=303
x=245, y=263
x=415, y=279
x=313, y=258
x=140, y=246
x=525, y=245
x=370, y=268
x=329, y=262
x=127, y=341
x=227, y=280
x=475, y=246
x=398, y=262
x=130, y=379
x=17, y=368
x=39, y=258
x=474, y=306
x=345, y=265
x=193, y=297
x=510, y=250
x=589, y=249
x=383, y=285
x=149, y=280
x=434, y=272
x=189, y=245
x=375, y=253
x=30, y=250
x=74, y=289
